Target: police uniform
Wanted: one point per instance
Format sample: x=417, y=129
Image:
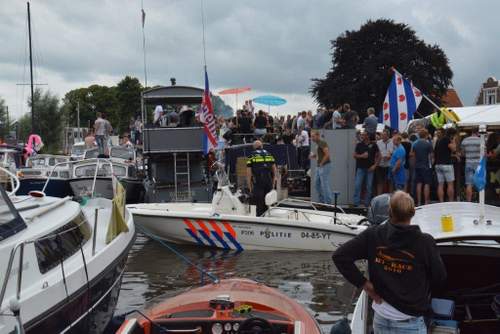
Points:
x=261, y=163
x=438, y=120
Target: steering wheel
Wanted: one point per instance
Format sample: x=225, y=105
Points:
x=256, y=326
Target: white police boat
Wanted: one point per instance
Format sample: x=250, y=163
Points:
x=228, y=223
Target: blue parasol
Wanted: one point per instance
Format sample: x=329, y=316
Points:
x=269, y=100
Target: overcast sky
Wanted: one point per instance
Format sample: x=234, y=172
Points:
x=275, y=47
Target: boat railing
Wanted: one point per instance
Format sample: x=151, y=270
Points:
x=97, y=162
x=20, y=247
x=220, y=174
x=314, y=205
x=308, y=214
x=14, y=181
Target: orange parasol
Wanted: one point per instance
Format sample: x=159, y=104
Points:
x=235, y=92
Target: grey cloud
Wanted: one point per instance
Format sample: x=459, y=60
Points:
x=272, y=46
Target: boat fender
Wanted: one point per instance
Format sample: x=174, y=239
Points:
x=271, y=197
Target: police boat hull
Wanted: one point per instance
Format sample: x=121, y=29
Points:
x=279, y=229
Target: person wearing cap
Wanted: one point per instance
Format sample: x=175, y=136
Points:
x=261, y=175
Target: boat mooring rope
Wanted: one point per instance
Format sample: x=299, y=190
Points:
x=203, y=272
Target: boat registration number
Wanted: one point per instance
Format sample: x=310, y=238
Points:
x=316, y=235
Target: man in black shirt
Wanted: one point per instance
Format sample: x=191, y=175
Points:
x=404, y=266
x=367, y=157
x=445, y=146
x=245, y=126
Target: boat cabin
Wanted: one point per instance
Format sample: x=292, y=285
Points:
x=173, y=151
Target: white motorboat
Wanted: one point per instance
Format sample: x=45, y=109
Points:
x=60, y=264
x=38, y=169
x=471, y=254
x=227, y=223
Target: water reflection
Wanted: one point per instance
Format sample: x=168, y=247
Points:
x=308, y=277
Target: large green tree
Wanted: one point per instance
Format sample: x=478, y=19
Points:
x=128, y=94
x=49, y=120
x=361, y=63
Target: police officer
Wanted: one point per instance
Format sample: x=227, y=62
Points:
x=261, y=175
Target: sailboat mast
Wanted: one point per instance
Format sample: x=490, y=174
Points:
x=31, y=73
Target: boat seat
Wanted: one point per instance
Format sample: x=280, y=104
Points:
x=279, y=213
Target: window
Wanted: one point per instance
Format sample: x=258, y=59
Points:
x=123, y=153
x=62, y=243
x=490, y=95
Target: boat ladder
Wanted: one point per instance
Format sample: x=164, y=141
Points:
x=182, y=177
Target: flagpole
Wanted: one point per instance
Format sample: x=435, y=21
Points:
x=203, y=34
x=482, y=133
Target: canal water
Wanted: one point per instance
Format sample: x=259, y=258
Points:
x=308, y=277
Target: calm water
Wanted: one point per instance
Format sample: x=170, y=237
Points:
x=308, y=277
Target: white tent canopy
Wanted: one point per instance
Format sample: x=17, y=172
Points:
x=488, y=115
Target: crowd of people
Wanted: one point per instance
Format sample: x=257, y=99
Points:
x=415, y=163
x=386, y=160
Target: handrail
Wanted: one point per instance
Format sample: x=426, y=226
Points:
x=52, y=172
x=72, y=163
x=21, y=260
x=13, y=177
x=313, y=204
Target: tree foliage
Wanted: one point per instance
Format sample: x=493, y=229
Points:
x=4, y=120
x=361, y=63
x=221, y=108
x=128, y=93
x=92, y=99
x=48, y=118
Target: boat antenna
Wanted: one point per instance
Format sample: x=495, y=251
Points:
x=203, y=34
x=31, y=72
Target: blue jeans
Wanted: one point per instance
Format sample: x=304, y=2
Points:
x=101, y=143
x=323, y=187
x=361, y=174
x=382, y=325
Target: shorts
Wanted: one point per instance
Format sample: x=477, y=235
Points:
x=423, y=175
x=445, y=173
x=381, y=174
x=470, y=170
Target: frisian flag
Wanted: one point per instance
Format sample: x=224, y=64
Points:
x=401, y=103
x=208, y=119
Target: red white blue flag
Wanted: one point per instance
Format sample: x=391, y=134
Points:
x=208, y=119
x=401, y=103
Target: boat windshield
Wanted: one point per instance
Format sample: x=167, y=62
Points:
x=10, y=220
x=78, y=149
x=6, y=158
x=122, y=153
x=91, y=154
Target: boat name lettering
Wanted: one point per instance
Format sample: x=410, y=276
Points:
x=243, y=227
x=316, y=235
x=246, y=232
x=274, y=234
